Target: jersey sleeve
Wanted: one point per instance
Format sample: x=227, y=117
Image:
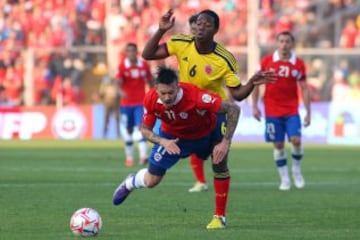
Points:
x=232, y=78
x=148, y=72
x=302, y=70
x=177, y=43
x=120, y=71
x=149, y=117
x=231, y=75
x=208, y=101
x=263, y=63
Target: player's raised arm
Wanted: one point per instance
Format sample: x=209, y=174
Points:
x=152, y=49
x=232, y=115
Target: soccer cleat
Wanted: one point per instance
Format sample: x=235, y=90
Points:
x=121, y=192
x=199, y=187
x=218, y=222
x=129, y=162
x=284, y=186
x=299, y=181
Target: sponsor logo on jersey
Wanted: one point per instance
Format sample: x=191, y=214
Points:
x=208, y=69
x=206, y=98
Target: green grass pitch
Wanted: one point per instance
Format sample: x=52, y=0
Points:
x=43, y=182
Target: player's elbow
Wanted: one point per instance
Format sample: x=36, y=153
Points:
x=233, y=110
x=146, y=55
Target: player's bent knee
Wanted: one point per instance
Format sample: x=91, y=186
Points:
x=220, y=168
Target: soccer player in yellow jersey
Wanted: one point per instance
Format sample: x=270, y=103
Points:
x=208, y=65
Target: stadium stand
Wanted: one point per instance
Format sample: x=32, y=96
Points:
x=55, y=33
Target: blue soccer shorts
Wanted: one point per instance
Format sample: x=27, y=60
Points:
x=160, y=160
x=131, y=116
x=277, y=127
x=218, y=133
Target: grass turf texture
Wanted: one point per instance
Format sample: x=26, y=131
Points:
x=43, y=182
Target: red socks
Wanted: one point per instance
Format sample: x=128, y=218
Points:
x=197, y=165
x=221, y=188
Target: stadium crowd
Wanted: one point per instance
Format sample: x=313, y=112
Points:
x=53, y=29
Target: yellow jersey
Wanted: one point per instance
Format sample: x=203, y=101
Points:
x=211, y=71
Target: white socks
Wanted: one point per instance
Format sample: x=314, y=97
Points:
x=137, y=181
x=281, y=163
x=129, y=150
x=143, y=149
x=297, y=153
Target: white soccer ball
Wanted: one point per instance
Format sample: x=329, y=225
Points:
x=86, y=222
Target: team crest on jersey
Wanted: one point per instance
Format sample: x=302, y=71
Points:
x=183, y=115
x=157, y=156
x=294, y=72
x=208, y=69
x=206, y=98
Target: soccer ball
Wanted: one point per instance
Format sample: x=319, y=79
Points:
x=85, y=222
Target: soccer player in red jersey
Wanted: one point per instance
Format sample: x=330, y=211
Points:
x=281, y=103
x=133, y=75
x=188, y=118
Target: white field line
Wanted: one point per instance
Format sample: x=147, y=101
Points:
x=173, y=170
x=167, y=184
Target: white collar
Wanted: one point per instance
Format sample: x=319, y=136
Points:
x=128, y=63
x=179, y=96
x=292, y=59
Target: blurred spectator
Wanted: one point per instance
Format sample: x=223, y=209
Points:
x=341, y=89
x=13, y=86
x=42, y=83
x=350, y=36
x=45, y=25
x=3, y=101
x=65, y=93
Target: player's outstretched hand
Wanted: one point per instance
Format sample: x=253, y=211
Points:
x=170, y=145
x=220, y=150
x=263, y=77
x=257, y=113
x=167, y=21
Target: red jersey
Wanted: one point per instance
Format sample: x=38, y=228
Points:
x=281, y=98
x=193, y=115
x=134, y=80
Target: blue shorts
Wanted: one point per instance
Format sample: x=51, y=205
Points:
x=131, y=116
x=277, y=127
x=218, y=133
x=160, y=160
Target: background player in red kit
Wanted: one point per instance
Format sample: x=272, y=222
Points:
x=281, y=103
x=188, y=120
x=133, y=74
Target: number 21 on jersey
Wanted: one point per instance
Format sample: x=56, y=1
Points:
x=284, y=71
